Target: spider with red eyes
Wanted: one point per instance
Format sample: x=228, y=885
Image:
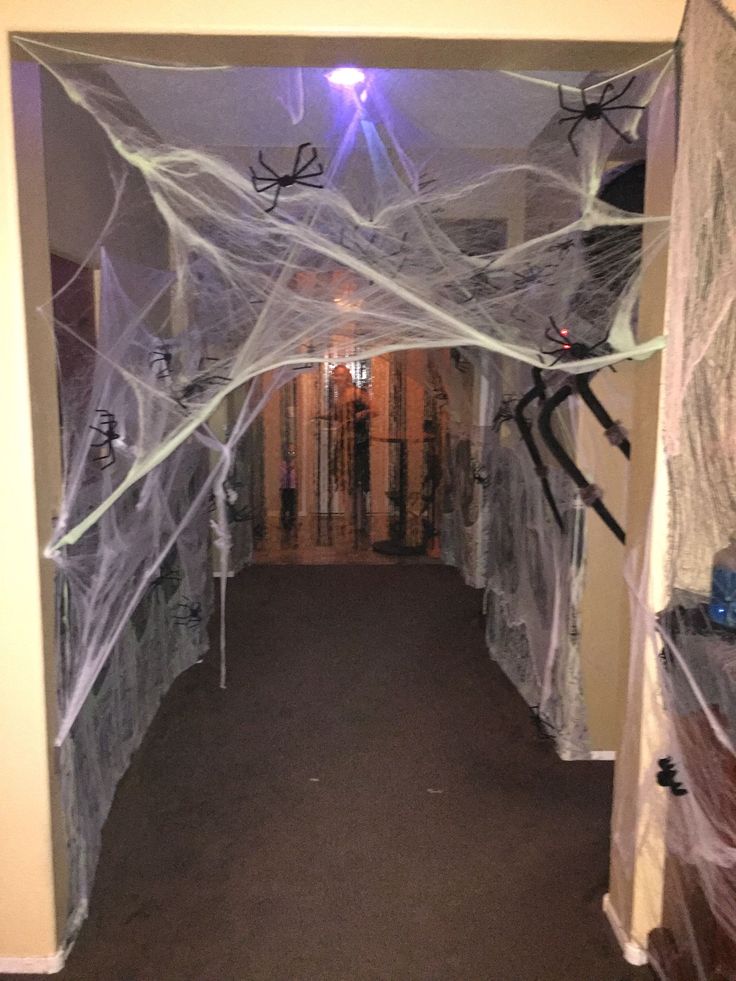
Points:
x=569, y=350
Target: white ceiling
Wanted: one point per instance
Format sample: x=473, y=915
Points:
x=272, y=107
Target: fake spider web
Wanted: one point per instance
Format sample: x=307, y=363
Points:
x=482, y=230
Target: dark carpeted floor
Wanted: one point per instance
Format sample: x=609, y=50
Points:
x=367, y=800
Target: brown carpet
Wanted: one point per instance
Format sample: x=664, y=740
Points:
x=367, y=800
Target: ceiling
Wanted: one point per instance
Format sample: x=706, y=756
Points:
x=274, y=107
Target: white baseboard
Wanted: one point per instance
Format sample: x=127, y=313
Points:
x=603, y=754
x=633, y=953
x=50, y=964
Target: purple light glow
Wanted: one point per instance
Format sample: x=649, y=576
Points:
x=345, y=77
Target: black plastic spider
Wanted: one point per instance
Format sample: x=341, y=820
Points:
x=109, y=434
x=198, y=386
x=596, y=110
x=666, y=777
x=160, y=361
x=300, y=174
x=505, y=412
x=188, y=614
x=569, y=350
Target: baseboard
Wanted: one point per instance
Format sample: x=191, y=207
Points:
x=603, y=754
x=51, y=964
x=633, y=953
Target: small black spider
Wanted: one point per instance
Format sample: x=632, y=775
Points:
x=545, y=729
x=569, y=350
x=109, y=434
x=198, y=386
x=528, y=277
x=160, y=361
x=666, y=777
x=596, y=110
x=188, y=614
x=480, y=474
x=505, y=412
x=300, y=174
x=564, y=246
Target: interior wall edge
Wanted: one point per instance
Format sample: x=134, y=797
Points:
x=376, y=51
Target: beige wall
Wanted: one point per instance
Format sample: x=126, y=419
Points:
x=637, y=852
x=32, y=884
x=524, y=34
x=604, y=607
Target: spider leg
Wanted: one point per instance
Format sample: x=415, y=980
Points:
x=624, y=137
x=567, y=462
x=525, y=431
x=275, y=200
x=302, y=176
x=623, y=91
x=557, y=360
x=266, y=187
x=569, y=135
x=560, y=335
x=265, y=166
x=297, y=159
x=608, y=87
x=612, y=108
x=307, y=184
x=299, y=167
x=569, y=119
x=111, y=456
x=599, y=411
x=562, y=104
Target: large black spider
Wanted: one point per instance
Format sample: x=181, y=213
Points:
x=109, y=434
x=569, y=350
x=188, y=614
x=596, y=110
x=300, y=174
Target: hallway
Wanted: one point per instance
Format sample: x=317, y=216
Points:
x=368, y=800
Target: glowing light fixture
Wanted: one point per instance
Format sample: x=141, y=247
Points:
x=346, y=77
